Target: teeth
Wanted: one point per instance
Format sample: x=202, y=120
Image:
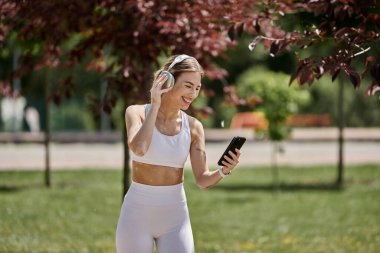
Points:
x=187, y=100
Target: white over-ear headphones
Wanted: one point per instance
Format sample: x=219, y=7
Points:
x=170, y=81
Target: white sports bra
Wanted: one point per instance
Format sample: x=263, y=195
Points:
x=165, y=150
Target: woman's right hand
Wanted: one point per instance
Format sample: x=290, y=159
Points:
x=156, y=91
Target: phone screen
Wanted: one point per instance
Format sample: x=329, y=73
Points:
x=236, y=142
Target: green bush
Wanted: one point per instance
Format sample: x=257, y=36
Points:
x=279, y=100
x=71, y=116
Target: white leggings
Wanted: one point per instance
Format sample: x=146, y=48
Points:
x=154, y=214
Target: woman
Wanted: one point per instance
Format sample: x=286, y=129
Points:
x=160, y=137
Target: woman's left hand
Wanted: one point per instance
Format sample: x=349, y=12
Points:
x=229, y=164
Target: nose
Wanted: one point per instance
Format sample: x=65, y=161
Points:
x=194, y=93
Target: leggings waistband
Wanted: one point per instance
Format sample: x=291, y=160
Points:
x=156, y=195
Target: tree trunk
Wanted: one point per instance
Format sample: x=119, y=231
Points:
x=126, y=170
x=275, y=173
x=47, y=133
x=127, y=101
x=339, y=179
x=104, y=117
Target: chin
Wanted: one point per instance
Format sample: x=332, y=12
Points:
x=184, y=107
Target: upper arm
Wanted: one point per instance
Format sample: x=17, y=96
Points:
x=133, y=120
x=197, y=148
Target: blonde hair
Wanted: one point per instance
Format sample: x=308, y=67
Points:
x=188, y=65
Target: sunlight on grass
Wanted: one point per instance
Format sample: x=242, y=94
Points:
x=244, y=213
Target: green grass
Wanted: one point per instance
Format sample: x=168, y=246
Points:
x=242, y=214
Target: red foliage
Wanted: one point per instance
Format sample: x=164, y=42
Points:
x=353, y=26
x=136, y=32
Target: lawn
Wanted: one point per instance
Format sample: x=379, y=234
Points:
x=242, y=214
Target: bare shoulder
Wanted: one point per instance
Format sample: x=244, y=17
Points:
x=135, y=110
x=196, y=128
x=135, y=113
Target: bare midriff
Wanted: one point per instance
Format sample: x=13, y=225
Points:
x=156, y=175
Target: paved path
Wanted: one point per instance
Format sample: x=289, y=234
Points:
x=95, y=155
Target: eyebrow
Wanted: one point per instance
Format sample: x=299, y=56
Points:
x=199, y=85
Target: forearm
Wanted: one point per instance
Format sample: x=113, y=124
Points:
x=203, y=176
x=209, y=179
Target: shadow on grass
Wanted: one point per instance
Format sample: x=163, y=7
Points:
x=286, y=187
x=11, y=188
x=19, y=187
x=60, y=185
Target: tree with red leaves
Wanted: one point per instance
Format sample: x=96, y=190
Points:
x=348, y=29
x=60, y=34
x=136, y=33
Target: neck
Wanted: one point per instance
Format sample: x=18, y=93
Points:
x=167, y=111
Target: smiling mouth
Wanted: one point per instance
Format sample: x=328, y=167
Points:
x=187, y=100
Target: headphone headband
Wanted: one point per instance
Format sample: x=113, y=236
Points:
x=178, y=59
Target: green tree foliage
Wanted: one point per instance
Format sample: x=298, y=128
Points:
x=278, y=99
x=278, y=102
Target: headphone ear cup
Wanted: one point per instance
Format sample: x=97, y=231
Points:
x=170, y=81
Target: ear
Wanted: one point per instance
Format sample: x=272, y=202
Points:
x=170, y=82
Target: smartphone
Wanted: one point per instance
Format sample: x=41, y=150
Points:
x=236, y=142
